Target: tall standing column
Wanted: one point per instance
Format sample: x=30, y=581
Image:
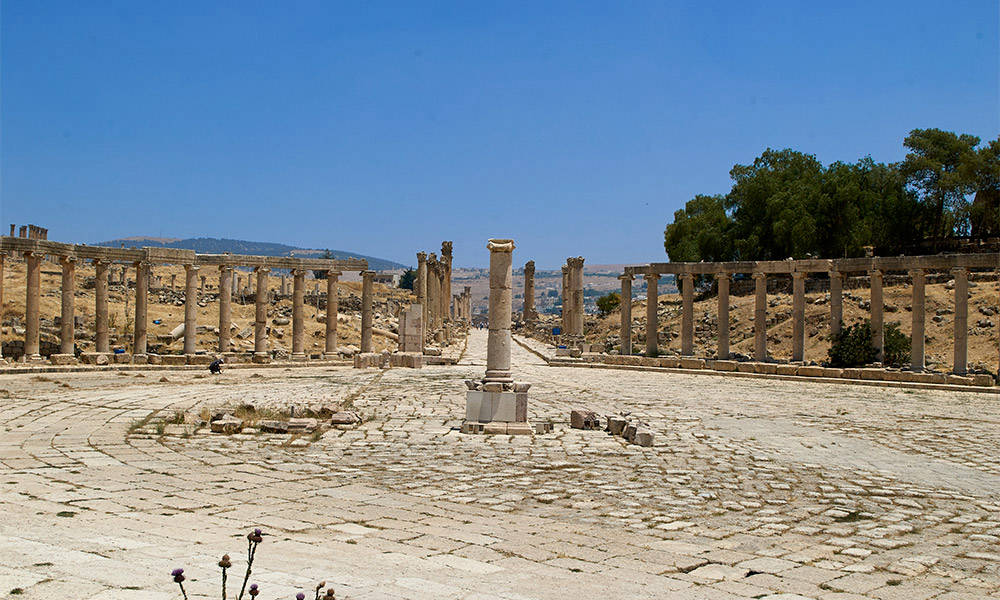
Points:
x=498, y=343
x=722, y=278
x=877, y=313
x=101, y=304
x=332, y=308
x=836, y=301
x=3, y=255
x=67, y=338
x=528, y=314
x=567, y=303
x=432, y=293
x=652, y=319
x=190, y=309
x=422, y=290
x=33, y=263
x=798, y=315
x=760, y=316
x=917, y=323
x=366, y=310
x=446, y=275
x=961, y=320
x=687, y=314
x=298, y=321
x=225, y=306
x=576, y=289
x=260, y=353
x=625, y=307
x=140, y=337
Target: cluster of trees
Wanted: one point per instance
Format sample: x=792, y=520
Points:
x=787, y=204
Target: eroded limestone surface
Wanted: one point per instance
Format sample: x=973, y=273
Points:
x=753, y=488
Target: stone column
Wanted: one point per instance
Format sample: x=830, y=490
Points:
x=468, y=303
x=284, y=285
x=190, y=309
x=260, y=354
x=528, y=314
x=836, y=301
x=201, y=288
x=917, y=316
x=298, y=318
x=33, y=281
x=687, y=314
x=652, y=320
x=446, y=262
x=3, y=255
x=101, y=304
x=173, y=280
x=432, y=292
x=332, y=308
x=877, y=312
x=67, y=338
x=140, y=337
x=576, y=290
x=225, y=307
x=421, y=289
x=366, y=310
x=567, y=303
x=499, y=341
x=760, y=317
x=626, y=314
x=961, y=320
x=798, y=315
x=722, y=279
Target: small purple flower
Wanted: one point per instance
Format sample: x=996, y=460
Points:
x=257, y=531
x=253, y=589
x=300, y=596
x=178, y=575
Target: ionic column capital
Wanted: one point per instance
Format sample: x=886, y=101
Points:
x=651, y=276
x=333, y=274
x=759, y=275
x=498, y=245
x=959, y=270
x=264, y=270
x=574, y=262
x=799, y=274
x=191, y=268
x=625, y=277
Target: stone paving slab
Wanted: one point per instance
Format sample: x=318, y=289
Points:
x=753, y=489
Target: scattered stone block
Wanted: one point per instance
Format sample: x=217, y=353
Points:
x=644, y=438
x=302, y=425
x=584, y=419
x=95, y=358
x=273, y=426
x=616, y=425
x=344, y=418
x=63, y=359
x=229, y=425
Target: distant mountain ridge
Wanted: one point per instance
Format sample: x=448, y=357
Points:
x=223, y=245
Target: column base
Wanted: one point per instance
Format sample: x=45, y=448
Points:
x=63, y=359
x=261, y=358
x=298, y=356
x=34, y=359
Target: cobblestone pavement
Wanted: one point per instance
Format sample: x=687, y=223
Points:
x=754, y=488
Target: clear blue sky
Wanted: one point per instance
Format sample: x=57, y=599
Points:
x=576, y=128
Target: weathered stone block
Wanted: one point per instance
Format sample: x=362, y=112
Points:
x=766, y=368
x=584, y=419
x=747, y=367
x=121, y=358
x=304, y=425
x=851, y=374
x=174, y=359
x=616, y=425
x=643, y=437
x=982, y=379
x=95, y=358
x=723, y=365
x=811, y=371
x=344, y=418
x=227, y=425
x=273, y=426
x=63, y=359
x=787, y=369
x=692, y=363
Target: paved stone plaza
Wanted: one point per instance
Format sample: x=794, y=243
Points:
x=754, y=488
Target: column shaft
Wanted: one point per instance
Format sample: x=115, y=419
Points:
x=877, y=314
x=225, y=307
x=422, y=292
x=101, y=304
x=190, y=309
x=33, y=263
x=652, y=320
x=836, y=301
x=332, y=308
x=499, y=340
x=3, y=255
x=760, y=317
x=298, y=313
x=687, y=314
x=260, y=316
x=366, y=310
x=67, y=329
x=528, y=314
x=917, y=322
x=140, y=337
x=626, y=314
x=798, y=315
x=723, y=310
x=961, y=365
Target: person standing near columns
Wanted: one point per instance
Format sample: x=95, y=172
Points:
x=687, y=314
x=652, y=313
x=101, y=304
x=722, y=279
x=917, y=316
x=528, y=314
x=836, y=302
x=139, y=338
x=225, y=306
x=332, y=308
x=877, y=312
x=298, y=321
x=626, y=314
x=366, y=310
x=190, y=309
x=67, y=338
x=260, y=353
x=961, y=275
x=798, y=315
x=760, y=317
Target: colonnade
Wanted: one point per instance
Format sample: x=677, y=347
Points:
x=69, y=255
x=875, y=267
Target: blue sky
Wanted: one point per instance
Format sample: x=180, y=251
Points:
x=576, y=128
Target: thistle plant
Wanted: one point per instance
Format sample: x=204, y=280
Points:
x=254, y=538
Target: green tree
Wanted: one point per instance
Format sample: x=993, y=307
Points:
x=407, y=279
x=327, y=255
x=700, y=231
x=937, y=170
x=984, y=171
x=608, y=303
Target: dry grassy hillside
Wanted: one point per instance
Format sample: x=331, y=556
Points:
x=167, y=307
x=983, y=321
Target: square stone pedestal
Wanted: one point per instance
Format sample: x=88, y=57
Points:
x=496, y=413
